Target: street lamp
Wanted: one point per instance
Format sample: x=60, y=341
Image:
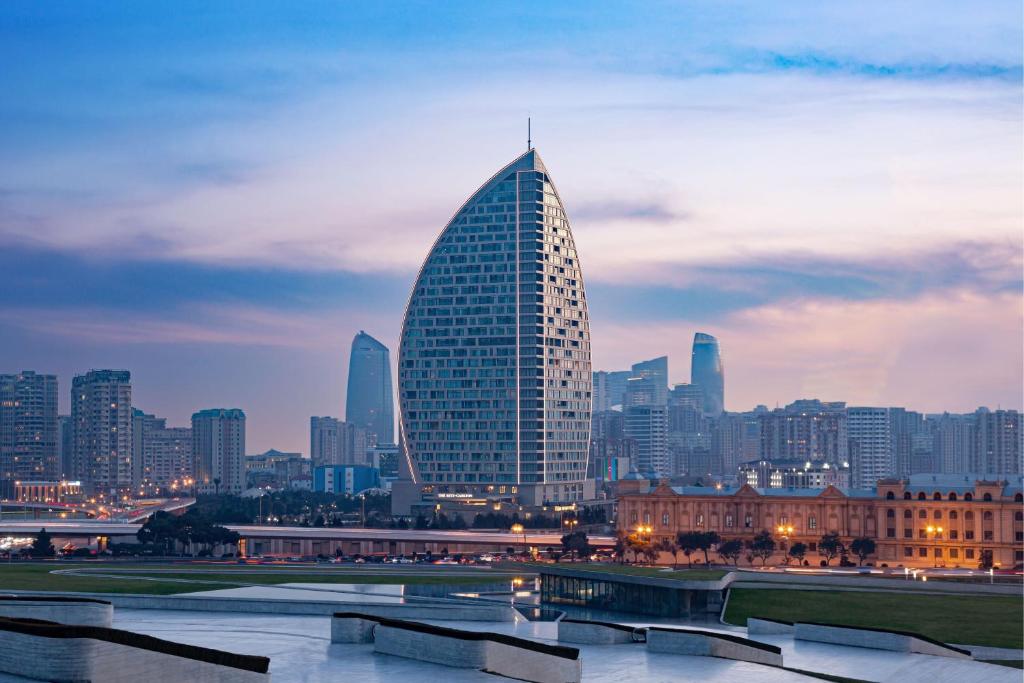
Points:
x=785, y=531
x=936, y=533
x=519, y=529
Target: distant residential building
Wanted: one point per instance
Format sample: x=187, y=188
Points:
x=735, y=438
x=324, y=446
x=333, y=442
x=369, y=401
x=218, y=450
x=101, y=415
x=805, y=430
x=277, y=469
x=351, y=479
x=610, y=450
x=905, y=430
x=647, y=427
x=28, y=429
x=162, y=461
x=65, y=445
x=997, y=442
x=706, y=371
x=870, y=444
x=794, y=474
x=953, y=442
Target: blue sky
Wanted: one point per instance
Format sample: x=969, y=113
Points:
x=217, y=196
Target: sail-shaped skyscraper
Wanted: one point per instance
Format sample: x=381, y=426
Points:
x=494, y=375
x=370, y=401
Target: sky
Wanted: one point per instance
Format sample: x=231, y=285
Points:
x=218, y=195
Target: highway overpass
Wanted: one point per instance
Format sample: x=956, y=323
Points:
x=290, y=540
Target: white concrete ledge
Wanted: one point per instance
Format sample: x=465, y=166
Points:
x=597, y=633
x=352, y=629
x=420, y=609
x=698, y=643
x=877, y=639
x=56, y=652
x=62, y=610
x=494, y=653
x=768, y=627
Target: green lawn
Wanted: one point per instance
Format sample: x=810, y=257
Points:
x=973, y=620
x=632, y=570
x=39, y=577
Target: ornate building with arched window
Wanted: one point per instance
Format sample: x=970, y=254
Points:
x=926, y=521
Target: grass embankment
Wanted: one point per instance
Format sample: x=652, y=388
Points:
x=973, y=620
x=38, y=577
x=627, y=569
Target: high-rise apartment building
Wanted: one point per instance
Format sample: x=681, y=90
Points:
x=647, y=427
x=162, y=461
x=101, y=416
x=369, y=401
x=494, y=364
x=707, y=372
x=65, y=446
x=333, y=442
x=28, y=429
x=870, y=445
x=323, y=440
x=805, y=430
x=218, y=450
x=953, y=442
x=997, y=442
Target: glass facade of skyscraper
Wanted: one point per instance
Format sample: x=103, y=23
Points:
x=707, y=372
x=369, y=401
x=494, y=364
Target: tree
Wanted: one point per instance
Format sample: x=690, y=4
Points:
x=42, y=545
x=731, y=550
x=621, y=546
x=651, y=552
x=797, y=551
x=576, y=544
x=762, y=546
x=670, y=546
x=862, y=547
x=689, y=541
x=830, y=546
x=708, y=540
x=216, y=486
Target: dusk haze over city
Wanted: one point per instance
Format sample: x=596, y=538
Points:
x=586, y=324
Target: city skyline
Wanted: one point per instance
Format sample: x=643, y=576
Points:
x=841, y=212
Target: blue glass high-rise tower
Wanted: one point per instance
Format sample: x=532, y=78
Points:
x=494, y=375
x=707, y=372
x=369, y=400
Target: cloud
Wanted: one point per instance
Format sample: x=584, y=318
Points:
x=652, y=211
x=242, y=326
x=827, y=64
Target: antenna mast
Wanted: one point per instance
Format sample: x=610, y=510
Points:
x=529, y=141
